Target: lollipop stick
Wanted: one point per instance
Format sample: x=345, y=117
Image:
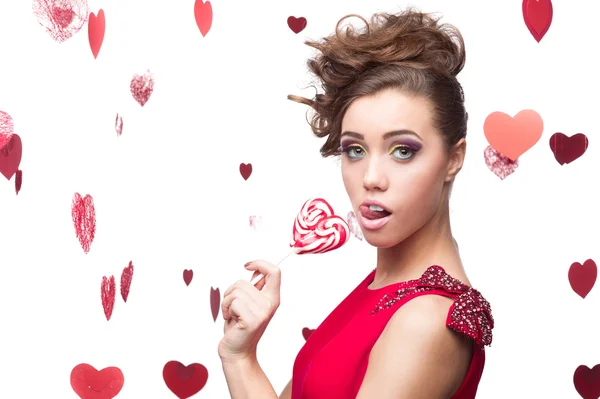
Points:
x=260, y=276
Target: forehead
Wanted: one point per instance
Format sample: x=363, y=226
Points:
x=387, y=111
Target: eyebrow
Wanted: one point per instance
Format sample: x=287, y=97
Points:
x=386, y=136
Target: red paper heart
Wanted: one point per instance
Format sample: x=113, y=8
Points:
x=512, y=137
x=18, y=180
x=89, y=383
x=245, y=170
x=587, y=381
x=7, y=128
x=84, y=219
x=537, y=15
x=142, y=87
x=297, y=25
x=61, y=19
x=306, y=332
x=204, y=15
x=108, y=290
x=188, y=275
x=96, y=28
x=126, y=277
x=215, y=302
x=499, y=164
x=10, y=156
x=567, y=149
x=583, y=277
x=185, y=381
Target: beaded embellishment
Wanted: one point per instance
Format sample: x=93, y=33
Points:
x=470, y=314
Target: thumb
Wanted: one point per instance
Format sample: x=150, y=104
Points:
x=272, y=275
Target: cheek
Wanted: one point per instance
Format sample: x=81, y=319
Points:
x=351, y=179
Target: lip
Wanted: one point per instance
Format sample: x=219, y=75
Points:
x=374, y=224
x=368, y=203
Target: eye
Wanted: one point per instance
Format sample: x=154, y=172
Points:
x=402, y=152
x=354, y=151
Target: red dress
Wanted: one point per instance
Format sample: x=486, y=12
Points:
x=333, y=361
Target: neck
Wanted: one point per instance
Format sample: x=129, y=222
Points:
x=433, y=244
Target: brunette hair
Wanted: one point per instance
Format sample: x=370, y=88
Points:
x=409, y=51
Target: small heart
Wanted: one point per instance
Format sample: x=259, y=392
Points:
x=583, y=277
x=512, y=137
x=7, y=129
x=126, y=277
x=215, y=302
x=245, y=170
x=89, y=383
x=354, y=226
x=499, y=164
x=587, y=381
x=61, y=19
x=537, y=15
x=18, y=181
x=306, y=332
x=142, y=87
x=297, y=25
x=119, y=125
x=10, y=156
x=96, y=28
x=567, y=149
x=108, y=292
x=188, y=275
x=84, y=219
x=185, y=381
x=204, y=15
x=255, y=222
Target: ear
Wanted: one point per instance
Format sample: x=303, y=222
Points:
x=456, y=159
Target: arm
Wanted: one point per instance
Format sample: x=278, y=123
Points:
x=246, y=379
x=417, y=356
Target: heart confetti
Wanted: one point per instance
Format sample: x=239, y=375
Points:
x=96, y=28
x=215, y=302
x=537, y=15
x=499, y=164
x=567, y=149
x=184, y=381
x=512, y=137
x=18, y=180
x=255, y=222
x=354, y=226
x=142, y=87
x=119, y=125
x=188, y=275
x=245, y=170
x=297, y=25
x=587, y=381
x=306, y=332
x=7, y=128
x=204, y=16
x=89, y=383
x=61, y=19
x=108, y=290
x=84, y=219
x=583, y=277
x=126, y=277
x=10, y=156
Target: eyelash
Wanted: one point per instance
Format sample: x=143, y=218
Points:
x=347, y=148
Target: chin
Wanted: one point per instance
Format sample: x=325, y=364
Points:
x=379, y=239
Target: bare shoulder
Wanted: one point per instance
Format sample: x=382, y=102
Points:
x=416, y=344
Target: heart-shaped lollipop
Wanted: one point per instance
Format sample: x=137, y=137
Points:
x=317, y=229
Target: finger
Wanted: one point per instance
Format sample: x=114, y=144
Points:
x=261, y=283
x=272, y=277
x=240, y=312
x=244, y=296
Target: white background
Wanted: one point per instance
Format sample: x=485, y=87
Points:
x=169, y=195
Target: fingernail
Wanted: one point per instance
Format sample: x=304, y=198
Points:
x=247, y=264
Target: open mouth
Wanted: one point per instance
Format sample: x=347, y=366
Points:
x=373, y=212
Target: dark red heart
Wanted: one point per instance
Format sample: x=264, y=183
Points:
x=587, y=381
x=126, y=277
x=537, y=15
x=107, y=293
x=188, y=275
x=297, y=25
x=83, y=213
x=567, y=149
x=215, y=302
x=18, y=180
x=583, y=277
x=246, y=170
x=185, y=381
x=89, y=383
x=10, y=156
x=306, y=332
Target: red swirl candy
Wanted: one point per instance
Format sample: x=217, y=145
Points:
x=317, y=229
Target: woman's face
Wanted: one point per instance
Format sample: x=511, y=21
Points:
x=393, y=157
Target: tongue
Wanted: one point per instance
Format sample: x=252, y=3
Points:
x=369, y=214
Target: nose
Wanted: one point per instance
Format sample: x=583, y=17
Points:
x=375, y=176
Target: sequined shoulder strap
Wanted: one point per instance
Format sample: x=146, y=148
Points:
x=470, y=314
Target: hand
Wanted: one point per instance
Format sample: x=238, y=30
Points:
x=247, y=311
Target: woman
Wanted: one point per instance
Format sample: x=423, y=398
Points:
x=413, y=328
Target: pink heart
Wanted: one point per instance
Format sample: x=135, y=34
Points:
x=7, y=128
x=107, y=293
x=84, y=219
x=10, y=157
x=501, y=165
x=142, y=87
x=126, y=277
